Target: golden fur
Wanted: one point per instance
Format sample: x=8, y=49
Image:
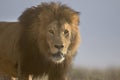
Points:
x=44, y=41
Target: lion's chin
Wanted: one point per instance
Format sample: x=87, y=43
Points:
x=58, y=57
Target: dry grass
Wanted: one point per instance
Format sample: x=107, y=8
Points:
x=95, y=74
x=87, y=74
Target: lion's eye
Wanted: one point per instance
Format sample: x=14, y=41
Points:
x=51, y=31
x=66, y=32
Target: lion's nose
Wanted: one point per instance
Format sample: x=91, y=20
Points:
x=59, y=46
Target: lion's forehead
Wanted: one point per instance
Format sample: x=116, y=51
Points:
x=59, y=26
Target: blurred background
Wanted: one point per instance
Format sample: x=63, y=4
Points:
x=99, y=28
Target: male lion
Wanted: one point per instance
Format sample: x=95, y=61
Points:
x=42, y=42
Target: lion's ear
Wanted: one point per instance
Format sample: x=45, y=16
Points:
x=75, y=18
x=28, y=16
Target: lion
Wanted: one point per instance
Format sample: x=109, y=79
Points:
x=43, y=42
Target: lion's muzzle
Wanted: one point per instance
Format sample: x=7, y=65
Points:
x=58, y=57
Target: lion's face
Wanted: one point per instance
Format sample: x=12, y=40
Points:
x=58, y=39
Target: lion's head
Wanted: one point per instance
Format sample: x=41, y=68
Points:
x=53, y=28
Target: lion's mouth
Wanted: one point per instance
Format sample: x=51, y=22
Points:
x=58, y=57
